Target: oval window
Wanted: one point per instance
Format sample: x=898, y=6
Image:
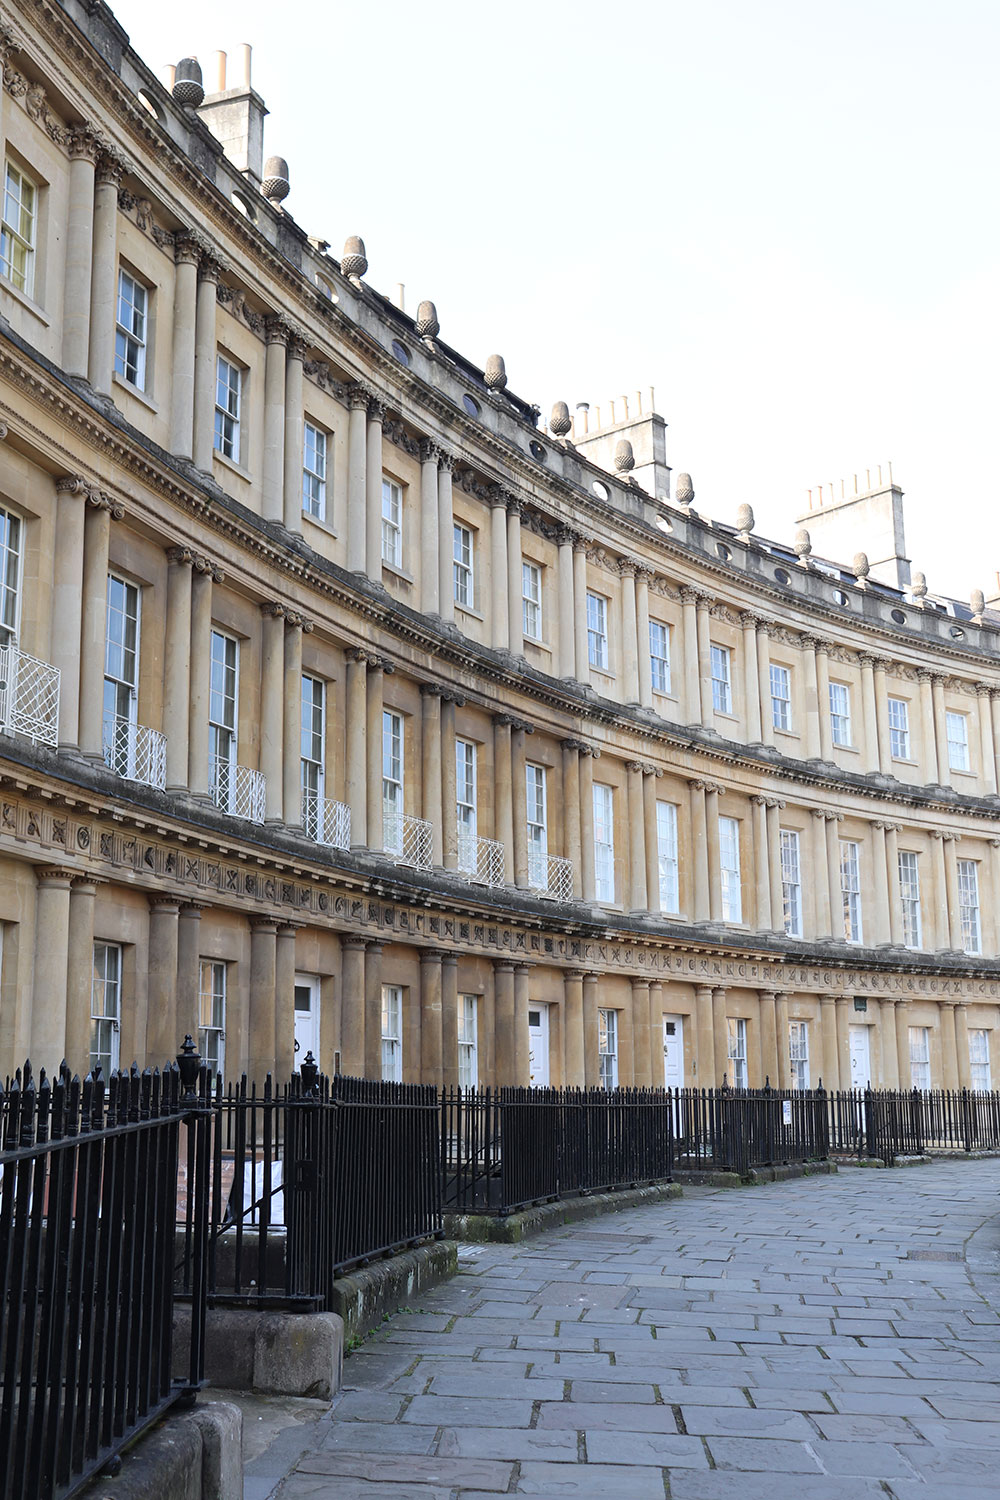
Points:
x=899, y=617
x=723, y=551
x=537, y=451
x=472, y=406
x=243, y=203
x=401, y=352
x=601, y=490
x=842, y=599
x=781, y=576
x=957, y=633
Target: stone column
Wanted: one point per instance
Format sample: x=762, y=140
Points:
x=430, y=592
x=187, y=253
x=699, y=852
x=357, y=745
x=161, y=983
x=591, y=1060
x=904, y=1071
x=588, y=870
x=949, y=1047
x=449, y=1019
x=202, y=579
x=986, y=747
x=991, y=936
x=503, y=792
x=751, y=679
x=376, y=833
x=293, y=456
x=837, y=926
x=650, y=776
x=357, y=423
x=828, y=1025
x=774, y=809
x=638, y=899
x=955, y=937
x=47, y=1033
x=449, y=782
x=713, y=851
x=515, y=614
x=522, y=1054
x=810, y=728
x=821, y=883
x=720, y=1036
x=83, y=154
x=882, y=715
x=843, y=1043
x=580, y=610
x=373, y=1011
x=888, y=1052
x=431, y=1033
x=822, y=649
x=506, y=1044
x=642, y=1066
x=104, y=273
x=768, y=1038
x=707, y=1074
x=352, y=1006
x=656, y=1067
x=67, y=602
x=642, y=578
x=940, y=730
x=291, y=796
x=263, y=977
x=273, y=455
x=764, y=682
x=567, y=644
x=96, y=542
x=964, y=1059
x=762, y=866
x=571, y=810
x=573, y=1027
x=286, y=1060
x=520, y=804
x=942, y=935
x=431, y=764
x=705, y=661
x=629, y=637
x=692, y=679
x=871, y=759
x=995, y=717
x=272, y=676
x=373, y=494
x=784, y=1080
x=892, y=872
x=80, y=975
x=928, y=758
x=500, y=633
x=880, y=932
x=205, y=357
x=177, y=666
x=446, y=537
x=188, y=1010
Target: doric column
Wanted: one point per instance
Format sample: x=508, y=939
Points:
x=699, y=852
x=499, y=631
x=629, y=636
x=373, y=1012
x=272, y=677
x=273, y=457
x=520, y=804
x=942, y=934
x=764, y=682
x=843, y=1044
x=892, y=873
x=376, y=833
x=642, y=1072
x=205, y=363
x=888, y=1044
x=714, y=852
x=720, y=1036
x=656, y=1067
x=638, y=899
x=291, y=796
x=352, y=1006
x=962, y=1045
x=904, y=1070
x=96, y=542
x=642, y=578
x=751, y=679
x=83, y=154
x=828, y=1028
x=430, y=591
x=515, y=618
x=986, y=749
x=67, y=602
x=45, y=1041
x=650, y=776
x=177, y=666
x=357, y=423
x=940, y=730
x=506, y=1044
x=833, y=821
x=820, y=882
x=292, y=461
x=869, y=716
x=449, y=1020
x=285, y=1058
x=373, y=490
x=357, y=745
x=880, y=933
x=571, y=810
x=950, y=842
x=187, y=253
x=104, y=272
x=446, y=536
x=522, y=1055
x=188, y=1010
x=692, y=680
x=784, y=1079
x=449, y=783
x=588, y=868
x=822, y=650
x=768, y=1038
x=706, y=1070
x=582, y=650
x=879, y=666
x=573, y=1027
x=431, y=1034
x=567, y=641
x=591, y=1061
x=431, y=764
x=161, y=979
x=774, y=809
x=705, y=661
x=503, y=792
x=949, y=1047
x=80, y=974
x=810, y=727
x=205, y=573
x=762, y=868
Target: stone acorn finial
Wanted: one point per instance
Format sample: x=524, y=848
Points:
x=354, y=261
x=803, y=545
x=684, y=493
x=427, y=324
x=495, y=373
x=275, y=184
x=861, y=566
x=624, y=457
x=977, y=603
x=560, y=421
x=745, y=521
x=188, y=87
x=918, y=588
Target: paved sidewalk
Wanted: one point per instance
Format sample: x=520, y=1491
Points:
x=822, y=1339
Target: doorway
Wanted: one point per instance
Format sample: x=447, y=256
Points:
x=861, y=1063
x=673, y=1052
x=538, y=1046
x=306, y=1017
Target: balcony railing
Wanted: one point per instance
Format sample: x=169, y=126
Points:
x=480, y=860
x=29, y=696
x=551, y=875
x=237, y=790
x=135, y=752
x=409, y=840
x=327, y=822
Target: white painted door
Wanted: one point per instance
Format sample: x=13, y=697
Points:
x=538, y=1046
x=861, y=1065
x=673, y=1052
x=306, y=1018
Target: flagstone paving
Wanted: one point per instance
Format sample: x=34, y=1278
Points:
x=827, y=1337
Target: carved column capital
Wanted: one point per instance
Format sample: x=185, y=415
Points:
x=181, y=556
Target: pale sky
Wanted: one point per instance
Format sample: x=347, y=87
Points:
x=783, y=215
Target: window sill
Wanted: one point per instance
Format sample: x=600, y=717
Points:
x=722, y=713
x=962, y=771
x=903, y=760
x=537, y=645
x=467, y=609
x=848, y=749
x=28, y=303
x=400, y=573
x=789, y=734
x=228, y=463
x=667, y=697
x=320, y=523
x=602, y=671
x=133, y=390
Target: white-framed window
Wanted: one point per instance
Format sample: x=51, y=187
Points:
x=791, y=881
x=736, y=1051
x=538, y=838
x=979, y=1060
x=920, y=1057
x=212, y=1015
x=11, y=544
x=392, y=1033
x=465, y=803
x=18, y=229
x=228, y=401
x=909, y=895
x=314, y=446
x=105, y=1007
x=607, y=1047
x=957, y=729
x=222, y=717
x=899, y=728
x=729, y=859
x=312, y=752
x=392, y=780
x=468, y=1041
x=604, y=842
x=722, y=690
x=597, y=631
x=850, y=889
x=531, y=601
x=666, y=855
x=840, y=713
x=392, y=523
x=659, y=656
x=121, y=674
x=968, y=905
x=462, y=566
x=781, y=697
x=130, y=330
x=798, y=1053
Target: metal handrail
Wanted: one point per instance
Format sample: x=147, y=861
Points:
x=409, y=840
x=327, y=821
x=238, y=790
x=135, y=752
x=550, y=875
x=481, y=860
x=29, y=696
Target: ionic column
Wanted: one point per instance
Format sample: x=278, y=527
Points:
x=376, y=834
x=784, y=1079
x=431, y=764
x=580, y=610
x=991, y=936
x=503, y=792
x=949, y=1047
x=869, y=716
x=446, y=537
x=940, y=730
x=828, y=1027
x=205, y=364
x=352, y=1006
x=705, y=661
x=177, y=666
x=431, y=1033
x=642, y=631
x=104, y=273
x=573, y=1027
x=449, y=783
x=201, y=629
x=892, y=873
x=928, y=756
x=904, y=1070
x=986, y=748
x=449, y=1019
x=373, y=1011
x=630, y=643
x=515, y=616
x=956, y=940
x=768, y=1038
x=161, y=982
x=650, y=776
x=80, y=974
x=821, y=881
x=285, y=1059
x=822, y=649
x=188, y=1015
x=291, y=796
x=751, y=679
x=707, y=1074
x=272, y=677
x=810, y=729
x=774, y=809
x=882, y=715
x=764, y=683
x=522, y=1054
x=699, y=852
x=714, y=852
x=837, y=928
x=294, y=443
x=591, y=1061
x=83, y=154
x=430, y=593
x=942, y=934
x=520, y=805
x=995, y=719
x=588, y=869
x=67, y=602
x=888, y=1045
x=567, y=642
x=657, y=1078
x=506, y=1044
x=720, y=1036
x=762, y=866
x=692, y=680
x=843, y=1044
x=187, y=253
x=881, y=933
x=642, y=1072
x=571, y=810
x=962, y=1045
x=273, y=456
x=373, y=490
x=46, y=1039
x=357, y=746
x=638, y=900
x=96, y=542
x=357, y=440
x=500, y=632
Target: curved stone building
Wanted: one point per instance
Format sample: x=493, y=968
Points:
x=342, y=705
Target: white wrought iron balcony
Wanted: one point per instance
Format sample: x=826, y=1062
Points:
x=409, y=840
x=480, y=860
x=135, y=752
x=327, y=822
x=550, y=875
x=237, y=790
x=29, y=696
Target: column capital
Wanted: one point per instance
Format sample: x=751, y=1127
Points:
x=983, y=689
x=866, y=661
x=170, y=905
x=209, y=267
x=635, y=766
x=289, y=929
x=819, y=813
x=192, y=909
x=580, y=542
x=55, y=875
x=265, y=925
x=446, y=461
x=703, y=601
x=74, y=484
x=650, y=770
x=83, y=143
x=276, y=330
x=181, y=556
x=207, y=566
x=353, y=940
x=750, y=621
x=778, y=802
x=503, y=720
x=295, y=620
x=575, y=746
x=298, y=342
x=688, y=594
x=449, y=695
x=503, y=966
x=428, y=451
x=189, y=247
x=431, y=690
x=497, y=497
x=994, y=843
x=361, y=654
x=376, y=408
x=359, y=395
x=272, y=610
x=110, y=167
x=627, y=567
x=98, y=500
x=821, y=646
x=514, y=505
x=432, y=955
x=759, y=798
